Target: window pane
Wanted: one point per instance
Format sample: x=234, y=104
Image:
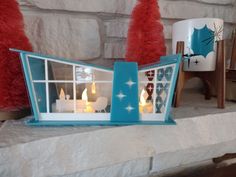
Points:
x=165, y=74
x=146, y=98
x=37, y=68
x=93, y=97
x=61, y=97
x=59, y=71
x=85, y=74
x=40, y=91
x=147, y=76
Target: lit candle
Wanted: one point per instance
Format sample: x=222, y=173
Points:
x=62, y=94
x=85, y=95
x=93, y=88
x=85, y=98
x=142, y=102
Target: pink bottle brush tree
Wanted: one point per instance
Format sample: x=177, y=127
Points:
x=145, y=42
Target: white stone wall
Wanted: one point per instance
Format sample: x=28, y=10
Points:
x=96, y=30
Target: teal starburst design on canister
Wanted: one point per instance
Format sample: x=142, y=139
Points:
x=202, y=41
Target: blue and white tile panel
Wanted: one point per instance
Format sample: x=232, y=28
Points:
x=163, y=87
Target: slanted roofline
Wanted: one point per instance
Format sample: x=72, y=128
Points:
x=61, y=59
x=164, y=60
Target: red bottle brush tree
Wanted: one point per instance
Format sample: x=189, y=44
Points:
x=13, y=94
x=145, y=43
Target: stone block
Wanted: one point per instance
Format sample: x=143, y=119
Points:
x=63, y=35
x=115, y=50
x=225, y=9
x=132, y=168
x=104, y=6
x=117, y=27
x=194, y=9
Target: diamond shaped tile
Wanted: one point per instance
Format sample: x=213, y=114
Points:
x=159, y=104
x=168, y=73
x=159, y=88
x=160, y=74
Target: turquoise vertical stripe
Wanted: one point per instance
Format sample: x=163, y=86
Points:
x=125, y=107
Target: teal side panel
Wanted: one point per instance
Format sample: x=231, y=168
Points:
x=125, y=107
x=30, y=86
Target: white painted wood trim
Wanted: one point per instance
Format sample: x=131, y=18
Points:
x=47, y=85
x=154, y=92
x=53, y=81
x=74, y=89
x=70, y=81
x=152, y=117
x=75, y=117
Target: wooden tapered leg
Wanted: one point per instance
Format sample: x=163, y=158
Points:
x=181, y=76
x=212, y=78
x=220, y=74
x=233, y=55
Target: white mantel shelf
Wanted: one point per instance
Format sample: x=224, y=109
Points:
x=117, y=151
x=127, y=151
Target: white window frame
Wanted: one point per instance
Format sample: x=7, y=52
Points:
x=75, y=116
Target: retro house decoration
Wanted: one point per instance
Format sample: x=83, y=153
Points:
x=66, y=92
x=200, y=36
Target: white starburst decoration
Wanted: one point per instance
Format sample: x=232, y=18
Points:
x=158, y=103
x=121, y=95
x=159, y=88
x=160, y=73
x=150, y=88
x=130, y=83
x=129, y=108
x=168, y=73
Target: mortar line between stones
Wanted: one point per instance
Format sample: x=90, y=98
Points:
x=102, y=15
x=206, y=3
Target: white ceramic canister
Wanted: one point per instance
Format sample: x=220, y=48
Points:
x=200, y=36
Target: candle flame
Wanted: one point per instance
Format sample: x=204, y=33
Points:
x=93, y=88
x=143, y=97
x=62, y=94
x=85, y=95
